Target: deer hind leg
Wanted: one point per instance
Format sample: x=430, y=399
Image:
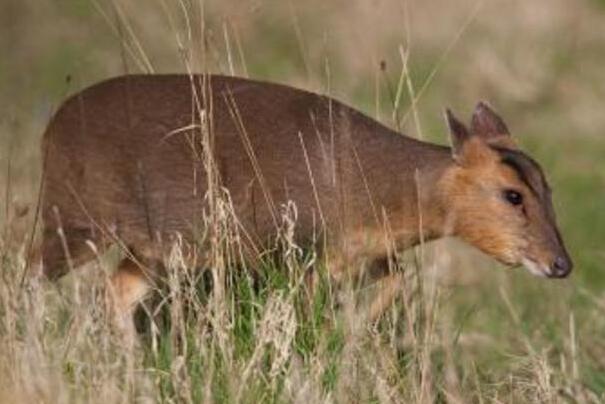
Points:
x=129, y=285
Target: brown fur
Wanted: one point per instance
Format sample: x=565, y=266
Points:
x=122, y=165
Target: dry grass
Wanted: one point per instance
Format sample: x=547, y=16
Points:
x=225, y=336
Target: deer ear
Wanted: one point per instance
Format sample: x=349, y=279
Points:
x=458, y=134
x=489, y=126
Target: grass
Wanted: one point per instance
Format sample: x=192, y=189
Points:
x=463, y=330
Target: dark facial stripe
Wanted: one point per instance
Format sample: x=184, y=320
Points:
x=527, y=170
x=514, y=164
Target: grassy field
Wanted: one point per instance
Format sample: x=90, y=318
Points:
x=464, y=330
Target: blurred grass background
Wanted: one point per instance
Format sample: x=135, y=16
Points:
x=540, y=63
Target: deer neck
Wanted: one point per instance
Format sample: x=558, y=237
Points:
x=434, y=211
x=417, y=200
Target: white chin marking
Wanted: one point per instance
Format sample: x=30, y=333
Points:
x=534, y=268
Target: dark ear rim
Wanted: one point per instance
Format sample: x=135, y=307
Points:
x=459, y=134
x=486, y=123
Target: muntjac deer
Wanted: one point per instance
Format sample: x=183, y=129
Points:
x=122, y=164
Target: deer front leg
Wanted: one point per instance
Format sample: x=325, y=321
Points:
x=388, y=287
x=387, y=284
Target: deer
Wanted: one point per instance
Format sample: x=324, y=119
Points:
x=122, y=165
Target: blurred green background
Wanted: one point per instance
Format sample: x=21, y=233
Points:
x=540, y=63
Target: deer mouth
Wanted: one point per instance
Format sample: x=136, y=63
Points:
x=536, y=268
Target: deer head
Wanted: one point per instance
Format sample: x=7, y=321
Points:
x=498, y=197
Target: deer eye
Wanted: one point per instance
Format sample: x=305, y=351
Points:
x=513, y=197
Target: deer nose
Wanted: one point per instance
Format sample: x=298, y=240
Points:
x=561, y=267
